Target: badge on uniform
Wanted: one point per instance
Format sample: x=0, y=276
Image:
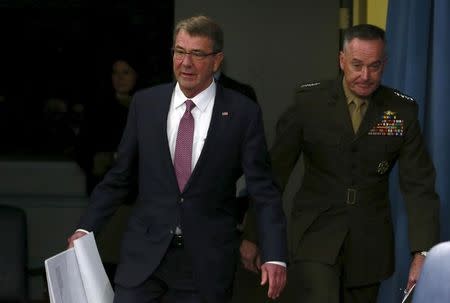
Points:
x=388, y=126
x=383, y=167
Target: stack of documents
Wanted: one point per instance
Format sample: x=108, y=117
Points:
x=77, y=275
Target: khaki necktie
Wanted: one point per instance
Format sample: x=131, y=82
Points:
x=357, y=110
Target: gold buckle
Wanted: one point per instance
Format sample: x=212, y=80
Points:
x=351, y=196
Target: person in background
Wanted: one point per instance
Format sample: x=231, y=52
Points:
x=351, y=132
x=104, y=123
x=180, y=244
x=233, y=84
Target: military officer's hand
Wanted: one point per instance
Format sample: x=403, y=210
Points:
x=276, y=276
x=250, y=256
x=415, y=269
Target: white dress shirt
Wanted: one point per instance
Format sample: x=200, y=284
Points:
x=202, y=112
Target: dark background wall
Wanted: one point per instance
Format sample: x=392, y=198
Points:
x=65, y=49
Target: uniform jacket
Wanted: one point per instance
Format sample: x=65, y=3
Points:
x=344, y=192
x=207, y=208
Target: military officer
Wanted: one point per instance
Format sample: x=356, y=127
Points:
x=351, y=132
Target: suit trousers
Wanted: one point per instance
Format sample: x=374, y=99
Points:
x=172, y=282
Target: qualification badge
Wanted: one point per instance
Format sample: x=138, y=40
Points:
x=383, y=167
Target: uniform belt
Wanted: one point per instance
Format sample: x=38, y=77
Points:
x=351, y=196
x=177, y=241
x=360, y=195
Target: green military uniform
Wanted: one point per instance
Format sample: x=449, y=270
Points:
x=342, y=210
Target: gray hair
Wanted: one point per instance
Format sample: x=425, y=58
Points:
x=204, y=27
x=363, y=32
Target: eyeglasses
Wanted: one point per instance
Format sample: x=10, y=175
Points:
x=179, y=54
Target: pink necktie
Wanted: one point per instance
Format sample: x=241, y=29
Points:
x=183, y=148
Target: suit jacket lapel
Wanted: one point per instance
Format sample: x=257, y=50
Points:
x=161, y=111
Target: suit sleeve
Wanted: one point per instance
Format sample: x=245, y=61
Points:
x=270, y=219
x=284, y=156
x=120, y=183
x=417, y=182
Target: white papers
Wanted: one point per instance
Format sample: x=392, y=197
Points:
x=77, y=275
x=408, y=294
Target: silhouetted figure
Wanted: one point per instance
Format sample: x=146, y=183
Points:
x=243, y=88
x=104, y=123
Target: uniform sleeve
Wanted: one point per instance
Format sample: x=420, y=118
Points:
x=286, y=149
x=417, y=182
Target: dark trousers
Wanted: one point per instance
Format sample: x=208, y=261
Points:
x=321, y=283
x=172, y=282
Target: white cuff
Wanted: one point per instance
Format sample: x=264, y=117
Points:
x=277, y=262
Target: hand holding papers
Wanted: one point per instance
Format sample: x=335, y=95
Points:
x=77, y=275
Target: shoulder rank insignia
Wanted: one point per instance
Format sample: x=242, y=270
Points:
x=403, y=96
x=309, y=85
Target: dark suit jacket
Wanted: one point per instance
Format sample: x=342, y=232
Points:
x=345, y=186
x=207, y=207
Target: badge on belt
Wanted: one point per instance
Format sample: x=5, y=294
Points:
x=383, y=167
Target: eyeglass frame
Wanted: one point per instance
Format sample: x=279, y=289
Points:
x=180, y=54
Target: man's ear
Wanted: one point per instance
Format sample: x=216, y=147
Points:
x=218, y=58
x=341, y=59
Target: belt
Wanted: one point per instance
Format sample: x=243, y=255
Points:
x=177, y=241
x=351, y=195
x=358, y=195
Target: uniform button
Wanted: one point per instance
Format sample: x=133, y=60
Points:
x=181, y=200
x=171, y=232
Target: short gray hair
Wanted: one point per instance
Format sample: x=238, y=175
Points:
x=363, y=32
x=202, y=26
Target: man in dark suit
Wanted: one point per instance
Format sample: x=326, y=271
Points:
x=351, y=133
x=184, y=146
